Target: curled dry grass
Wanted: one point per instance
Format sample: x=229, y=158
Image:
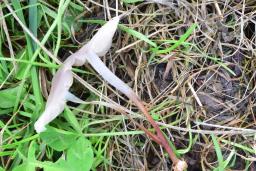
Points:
x=204, y=90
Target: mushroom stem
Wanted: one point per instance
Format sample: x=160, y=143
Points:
x=63, y=79
x=112, y=79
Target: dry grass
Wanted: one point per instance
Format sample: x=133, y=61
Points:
x=199, y=92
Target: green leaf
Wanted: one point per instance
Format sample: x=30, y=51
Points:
x=8, y=97
x=71, y=118
x=179, y=42
x=49, y=11
x=137, y=34
x=227, y=161
x=17, y=5
x=28, y=165
x=58, y=140
x=22, y=167
x=218, y=152
x=186, y=150
x=32, y=151
x=33, y=72
x=80, y=155
x=49, y=166
x=240, y=146
x=31, y=156
x=79, y=158
x=1, y=169
x=21, y=55
x=33, y=23
x=217, y=148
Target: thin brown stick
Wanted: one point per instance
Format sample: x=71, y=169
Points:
x=159, y=134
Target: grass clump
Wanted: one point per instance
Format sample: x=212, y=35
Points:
x=192, y=63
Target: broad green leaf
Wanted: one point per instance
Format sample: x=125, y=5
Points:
x=5, y=111
x=1, y=169
x=46, y=165
x=79, y=158
x=58, y=140
x=49, y=166
x=80, y=155
x=22, y=167
x=71, y=118
x=29, y=105
x=8, y=97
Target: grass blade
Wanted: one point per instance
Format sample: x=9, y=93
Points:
x=217, y=150
x=33, y=20
x=179, y=42
x=34, y=75
x=130, y=31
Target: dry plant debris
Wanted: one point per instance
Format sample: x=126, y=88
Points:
x=192, y=63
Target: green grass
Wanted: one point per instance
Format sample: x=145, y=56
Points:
x=84, y=137
x=222, y=164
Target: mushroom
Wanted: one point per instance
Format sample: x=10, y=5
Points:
x=63, y=79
